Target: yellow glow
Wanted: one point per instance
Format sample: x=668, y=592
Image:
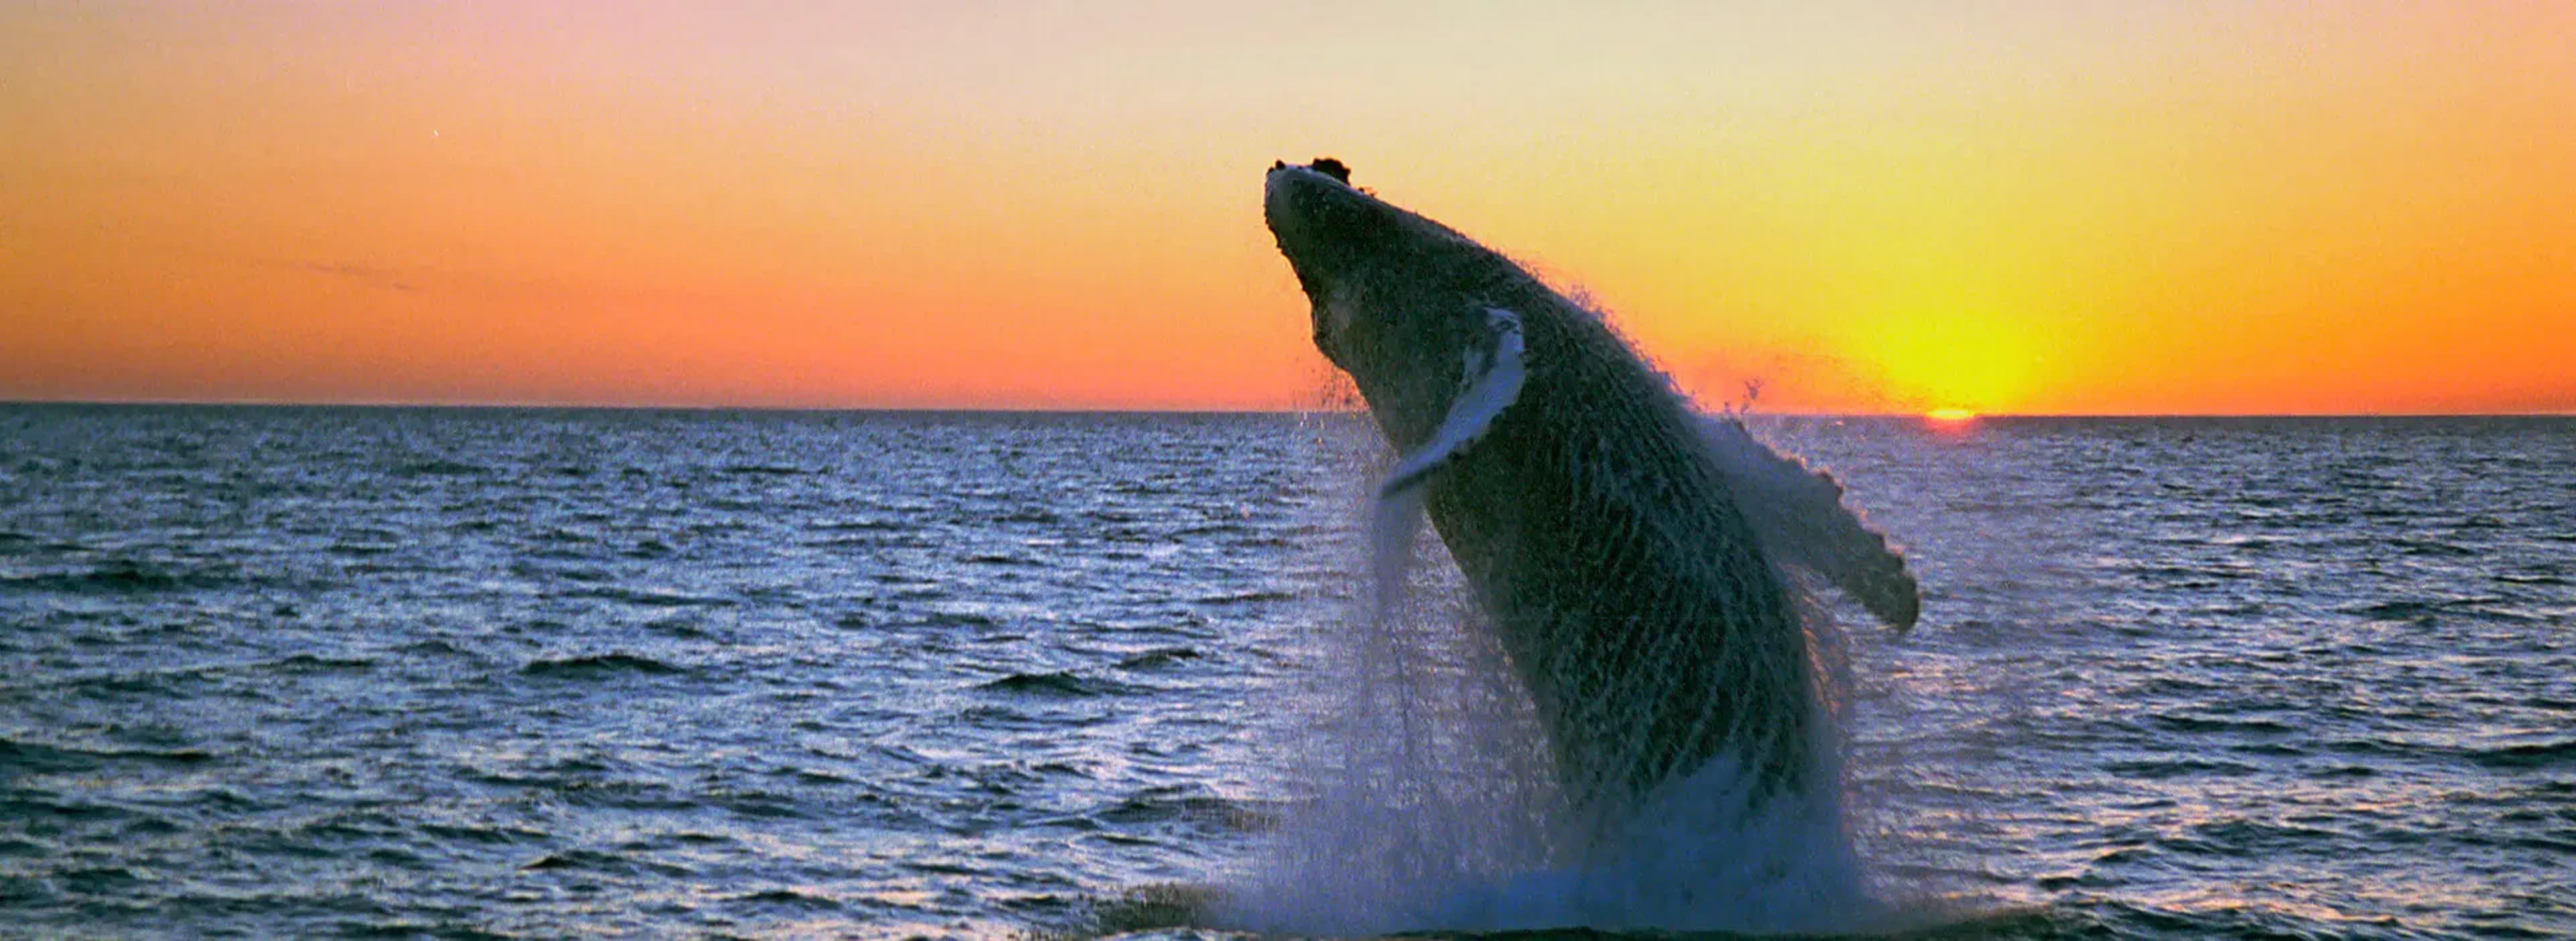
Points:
x=1951, y=414
x=1882, y=206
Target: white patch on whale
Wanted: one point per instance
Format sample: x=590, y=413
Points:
x=1492, y=384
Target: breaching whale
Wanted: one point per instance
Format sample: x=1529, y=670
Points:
x=1597, y=519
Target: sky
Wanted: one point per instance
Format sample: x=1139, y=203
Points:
x=2054, y=206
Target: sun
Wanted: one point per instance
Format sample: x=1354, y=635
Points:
x=1951, y=414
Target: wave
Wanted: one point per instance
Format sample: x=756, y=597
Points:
x=862, y=526
x=118, y=576
x=2189, y=723
x=596, y=665
x=651, y=598
x=1255, y=596
x=2480, y=607
x=440, y=467
x=786, y=898
x=1059, y=684
x=2160, y=770
x=1171, y=804
x=2433, y=547
x=2527, y=756
x=1158, y=658
x=39, y=758
x=938, y=618
x=2531, y=578
x=595, y=861
x=310, y=663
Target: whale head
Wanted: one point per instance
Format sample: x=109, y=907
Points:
x=1397, y=297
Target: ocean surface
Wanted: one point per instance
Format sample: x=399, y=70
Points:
x=552, y=673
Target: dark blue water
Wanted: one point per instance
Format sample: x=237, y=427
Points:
x=542, y=673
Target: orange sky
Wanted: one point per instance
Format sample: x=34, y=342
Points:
x=2043, y=206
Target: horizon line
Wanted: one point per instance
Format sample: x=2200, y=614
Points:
x=1923, y=415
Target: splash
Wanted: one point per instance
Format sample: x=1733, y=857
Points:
x=1434, y=801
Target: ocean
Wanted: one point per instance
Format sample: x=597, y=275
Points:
x=472, y=673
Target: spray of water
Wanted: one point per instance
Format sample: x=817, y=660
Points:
x=1435, y=805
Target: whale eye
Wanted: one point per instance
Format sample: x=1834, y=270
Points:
x=1332, y=168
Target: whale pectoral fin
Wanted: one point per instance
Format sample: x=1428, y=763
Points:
x=1492, y=383
x=1801, y=517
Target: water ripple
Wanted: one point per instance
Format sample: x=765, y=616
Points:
x=537, y=673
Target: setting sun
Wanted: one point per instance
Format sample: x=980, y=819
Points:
x=1951, y=414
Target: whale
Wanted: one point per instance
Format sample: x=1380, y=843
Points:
x=1600, y=523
